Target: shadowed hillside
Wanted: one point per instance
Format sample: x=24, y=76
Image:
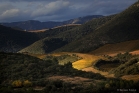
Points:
x=12, y=40
x=127, y=46
x=67, y=33
x=123, y=27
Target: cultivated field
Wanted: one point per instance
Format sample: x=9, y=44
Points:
x=87, y=61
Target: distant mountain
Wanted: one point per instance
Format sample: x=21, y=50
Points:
x=12, y=40
x=82, y=20
x=37, y=25
x=32, y=25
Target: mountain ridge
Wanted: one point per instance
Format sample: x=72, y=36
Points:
x=123, y=27
x=37, y=25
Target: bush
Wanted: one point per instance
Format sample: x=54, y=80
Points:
x=17, y=83
x=27, y=83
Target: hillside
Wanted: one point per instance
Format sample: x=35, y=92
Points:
x=99, y=55
x=110, y=49
x=27, y=74
x=48, y=42
x=82, y=20
x=37, y=25
x=43, y=74
x=12, y=40
x=65, y=34
x=123, y=27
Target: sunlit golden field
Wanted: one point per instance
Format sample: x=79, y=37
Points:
x=87, y=61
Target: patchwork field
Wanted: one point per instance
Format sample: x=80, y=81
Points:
x=86, y=62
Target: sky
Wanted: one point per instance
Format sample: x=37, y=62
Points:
x=58, y=10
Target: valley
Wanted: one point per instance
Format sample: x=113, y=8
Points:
x=88, y=54
x=54, y=70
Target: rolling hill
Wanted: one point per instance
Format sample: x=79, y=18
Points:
x=44, y=66
x=110, y=49
x=66, y=34
x=89, y=36
x=123, y=27
x=13, y=40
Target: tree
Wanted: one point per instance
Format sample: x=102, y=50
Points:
x=17, y=83
x=27, y=83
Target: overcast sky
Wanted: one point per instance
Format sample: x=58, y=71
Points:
x=58, y=10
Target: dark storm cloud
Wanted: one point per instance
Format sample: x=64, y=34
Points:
x=58, y=10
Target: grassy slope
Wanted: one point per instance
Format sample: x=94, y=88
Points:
x=109, y=49
x=45, y=45
x=122, y=27
x=48, y=44
x=85, y=29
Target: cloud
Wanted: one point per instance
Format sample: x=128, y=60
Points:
x=58, y=10
x=50, y=8
x=4, y=7
x=7, y=11
x=103, y=7
x=10, y=13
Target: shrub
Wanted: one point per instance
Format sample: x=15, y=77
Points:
x=17, y=83
x=27, y=83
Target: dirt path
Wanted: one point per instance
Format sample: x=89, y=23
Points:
x=131, y=77
x=106, y=74
x=135, y=52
